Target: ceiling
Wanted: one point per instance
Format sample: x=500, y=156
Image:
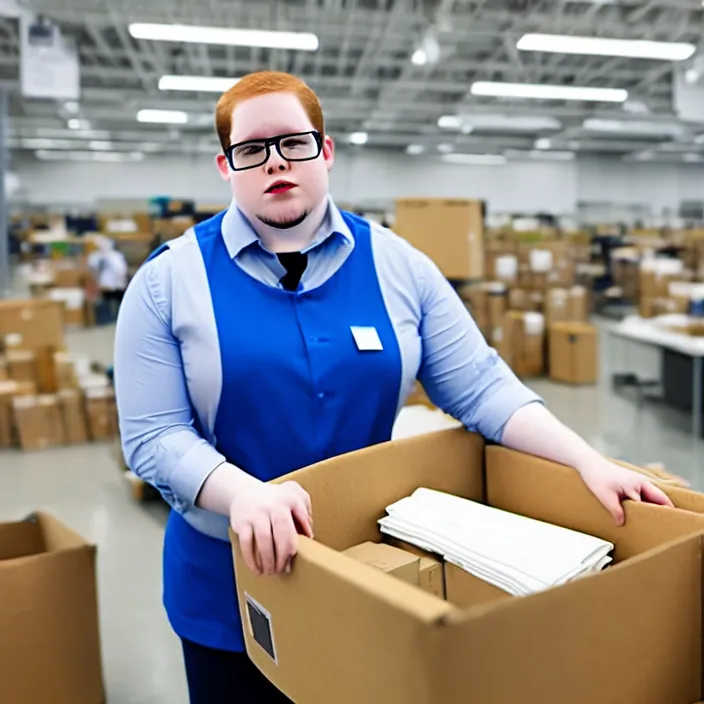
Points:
x=364, y=74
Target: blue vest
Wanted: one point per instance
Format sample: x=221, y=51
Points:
x=296, y=390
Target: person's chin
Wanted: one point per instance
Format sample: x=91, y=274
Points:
x=283, y=218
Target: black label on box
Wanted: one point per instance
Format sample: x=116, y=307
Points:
x=260, y=626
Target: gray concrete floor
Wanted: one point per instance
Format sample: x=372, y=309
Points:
x=83, y=487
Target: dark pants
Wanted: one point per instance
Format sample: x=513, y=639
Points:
x=222, y=677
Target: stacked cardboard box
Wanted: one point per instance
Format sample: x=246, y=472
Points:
x=50, y=399
x=449, y=231
x=372, y=637
x=573, y=353
x=29, y=324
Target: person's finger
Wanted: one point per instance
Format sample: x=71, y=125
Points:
x=612, y=503
x=633, y=493
x=654, y=495
x=264, y=542
x=303, y=494
x=284, y=534
x=303, y=519
x=245, y=535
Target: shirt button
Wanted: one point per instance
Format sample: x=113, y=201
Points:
x=313, y=339
x=321, y=395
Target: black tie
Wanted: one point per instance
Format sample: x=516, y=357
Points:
x=295, y=264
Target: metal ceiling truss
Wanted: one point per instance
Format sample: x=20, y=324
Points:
x=363, y=70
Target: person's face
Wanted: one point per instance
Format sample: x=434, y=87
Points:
x=305, y=182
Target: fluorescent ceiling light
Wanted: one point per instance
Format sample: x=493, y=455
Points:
x=598, y=46
x=543, y=143
x=197, y=84
x=302, y=41
x=100, y=146
x=169, y=117
x=415, y=149
x=72, y=106
x=75, y=124
x=450, y=122
x=549, y=92
x=693, y=158
x=634, y=127
x=46, y=155
x=358, y=138
x=419, y=58
x=640, y=156
x=475, y=159
x=498, y=123
x=445, y=148
x=552, y=155
x=46, y=143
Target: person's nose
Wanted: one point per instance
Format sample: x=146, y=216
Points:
x=276, y=162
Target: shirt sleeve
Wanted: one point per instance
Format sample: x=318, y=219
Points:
x=460, y=372
x=159, y=440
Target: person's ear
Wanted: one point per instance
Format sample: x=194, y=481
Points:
x=328, y=151
x=223, y=167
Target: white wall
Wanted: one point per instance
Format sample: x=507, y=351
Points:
x=377, y=177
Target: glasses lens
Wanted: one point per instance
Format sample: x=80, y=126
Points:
x=247, y=155
x=299, y=147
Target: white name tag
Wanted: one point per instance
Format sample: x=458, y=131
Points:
x=367, y=339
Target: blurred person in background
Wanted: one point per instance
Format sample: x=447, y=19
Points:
x=110, y=269
x=280, y=333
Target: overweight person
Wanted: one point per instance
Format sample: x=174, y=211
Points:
x=280, y=333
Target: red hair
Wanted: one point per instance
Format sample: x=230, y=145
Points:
x=262, y=83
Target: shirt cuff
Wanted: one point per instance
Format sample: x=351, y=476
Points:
x=194, y=467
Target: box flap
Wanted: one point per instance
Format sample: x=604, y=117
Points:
x=20, y=539
x=57, y=536
x=350, y=492
x=524, y=649
x=529, y=486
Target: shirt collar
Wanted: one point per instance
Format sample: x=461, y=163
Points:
x=238, y=233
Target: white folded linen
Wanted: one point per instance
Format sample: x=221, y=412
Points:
x=517, y=554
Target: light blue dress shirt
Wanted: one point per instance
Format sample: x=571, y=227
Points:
x=168, y=371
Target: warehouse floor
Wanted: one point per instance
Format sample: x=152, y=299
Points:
x=83, y=487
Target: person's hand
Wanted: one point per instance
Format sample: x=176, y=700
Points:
x=612, y=484
x=267, y=519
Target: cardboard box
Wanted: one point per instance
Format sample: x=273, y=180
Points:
x=566, y=305
x=28, y=324
x=523, y=300
x=38, y=420
x=395, y=562
x=73, y=416
x=48, y=615
x=449, y=231
x=370, y=638
x=574, y=353
x=22, y=365
x=522, y=343
x=102, y=413
x=431, y=577
x=465, y=590
x=8, y=391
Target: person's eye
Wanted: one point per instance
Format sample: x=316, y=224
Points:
x=250, y=150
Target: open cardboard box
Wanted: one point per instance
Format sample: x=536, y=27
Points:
x=335, y=630
x=49, y=631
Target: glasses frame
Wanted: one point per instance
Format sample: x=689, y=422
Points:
x=275, y=141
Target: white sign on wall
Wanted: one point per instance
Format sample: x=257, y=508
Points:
x=688, y=91
x=49, y=64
